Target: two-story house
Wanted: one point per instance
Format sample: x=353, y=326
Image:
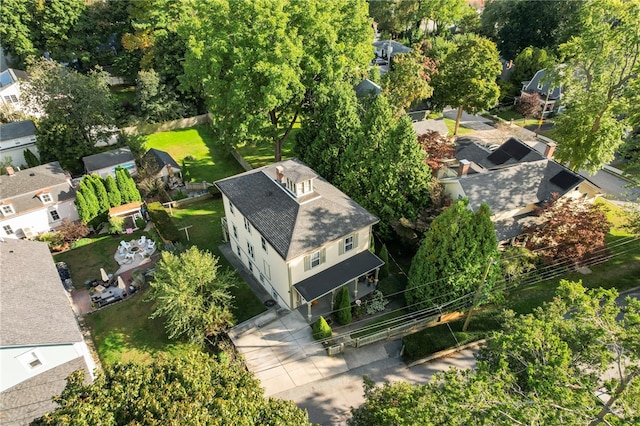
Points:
x=10, y=81
x=40, y=341
x=513, y=180
x=15, y=138
x=550, y=95
x=301, y=237
x=35, y=200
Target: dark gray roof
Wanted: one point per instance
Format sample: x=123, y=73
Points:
x=35, y=309
x=532, y=85
x=366, y=88
x=338, y=275
x=107, y=159
x=393, y=46
x=18, y=129
x=516, y=186
x=32, y=398
x=22, y=187
x=11, y=75
x=161, y=159
x=294, y=228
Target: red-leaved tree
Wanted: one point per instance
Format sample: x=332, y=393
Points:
x=571, y=231
x=529, y=105
x=437, y=147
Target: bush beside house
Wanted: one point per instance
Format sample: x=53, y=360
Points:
x=321, y=330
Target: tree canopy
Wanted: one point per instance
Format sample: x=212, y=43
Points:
x=458, y=248
x=191, y=292
x=600, y=62
x=276, y=59
x=573, y=361
x=192, y=388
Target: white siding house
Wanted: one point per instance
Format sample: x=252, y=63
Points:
x=299, y=236
x=10, y=81
x=40, y=340
x=35, y=200
x=106, y=163
x=14, y=139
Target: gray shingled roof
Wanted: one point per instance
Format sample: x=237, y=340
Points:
x=161, y=159
x=18, y=129
x=290, y=227
x=22, y=187
x=35, y=309
x=366, y=88
x=107, y=159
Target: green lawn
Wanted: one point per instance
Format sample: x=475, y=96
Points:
x=94, y=253
x=206, y=233
x=262, y=154
x=621, y=272
x=212, y=161
x=451, y=126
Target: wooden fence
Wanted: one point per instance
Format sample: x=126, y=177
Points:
x=183, y=123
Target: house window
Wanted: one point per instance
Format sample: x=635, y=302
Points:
x=247, y=225
x=348, y=243
x=250, y=250
x=267, y=269
x=239, y=251
x=264, y=244
x=46, y=198
x=315, y=259
x=233, y=212
x=7, y=209
x=250, y=266
x=7, y=229
x=12, y=99
x=235, y=231
x=54, y=215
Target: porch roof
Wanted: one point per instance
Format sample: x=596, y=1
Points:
x=125, y=208
x=338, y=275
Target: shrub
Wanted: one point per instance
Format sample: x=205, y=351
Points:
x=116, y=225
x=321, y=329
x=393, y=284
x=54, y=240
x=73, y=231
x=376, y=303
x=141, y=223
x=167, y=229
x=179, y=196
x=344, y=306
x=384, y=256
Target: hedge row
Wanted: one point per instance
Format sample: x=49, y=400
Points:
x=167, y=229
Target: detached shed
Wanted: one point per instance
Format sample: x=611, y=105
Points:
x=163, y=166
x=130, y=212
x=105, y=163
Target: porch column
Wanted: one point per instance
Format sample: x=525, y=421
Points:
x=376, y=279
x=355, y=289
x=333, y=293
x=309, y=312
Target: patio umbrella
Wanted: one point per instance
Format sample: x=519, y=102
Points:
x=121, y=284
x=103, y=275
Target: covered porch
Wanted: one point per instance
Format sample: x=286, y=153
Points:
x=359, y=273
x=130, y=212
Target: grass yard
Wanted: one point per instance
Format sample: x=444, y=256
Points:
x=262, y=154
x=211, y=161
x=621, y=272
x=451, y=125
x=124, y=333
x=206, y=233
x=92, y=254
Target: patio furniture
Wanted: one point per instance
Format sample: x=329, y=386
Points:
x=142, y=241
x=130, y=256
x=151, y=244
x=125, y=244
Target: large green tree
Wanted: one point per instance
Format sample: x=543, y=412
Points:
x=516, y=24
x=458, y=251
x=466, y=77
x=601, y=61
x=189, y=389
x=191, y=292
x=78, y=112
x=573, y=361
x=257, y=73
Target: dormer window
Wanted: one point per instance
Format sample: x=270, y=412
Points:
x=46, y=197
x=7, y=209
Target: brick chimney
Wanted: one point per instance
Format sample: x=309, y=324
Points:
x=10, y=171
x=549, y=149
x=280, y=174
x=464, y=168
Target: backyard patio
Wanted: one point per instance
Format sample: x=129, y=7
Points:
x=134, y=252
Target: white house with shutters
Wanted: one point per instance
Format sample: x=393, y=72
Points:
x=300, y=237
x=40, y=341
x=35, y=200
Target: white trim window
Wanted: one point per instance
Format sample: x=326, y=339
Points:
x=348, y=244
x=7, y=209
x=54, y=215
x=46, y=197
x=7, y=230
x=250, y=250
x=231, y=209
x=235, y=231
x=264, y=244
x=315, y=259
x=247, y=225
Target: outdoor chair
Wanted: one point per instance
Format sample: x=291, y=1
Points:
x=125, y=244
x=142, y=241
x=151, y=244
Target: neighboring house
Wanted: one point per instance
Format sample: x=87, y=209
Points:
x=40, y=341
x=35, y=200
x=105, y=163
x=387, y=49
x=161, y=165
x=10, y=81
x=14, y=139
x=550, y=96
x=367, y=88
x=513, y=180
x=297, y=234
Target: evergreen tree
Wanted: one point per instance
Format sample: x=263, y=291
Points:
x=456, y=251
x=30, y=158
x=123, y=185
x=83, y=208
x=344, y=306
x=113, y=193
x=101, y=192
x=87, y=189
x=384, y=256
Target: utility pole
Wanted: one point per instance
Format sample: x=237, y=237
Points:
x=476, y=297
